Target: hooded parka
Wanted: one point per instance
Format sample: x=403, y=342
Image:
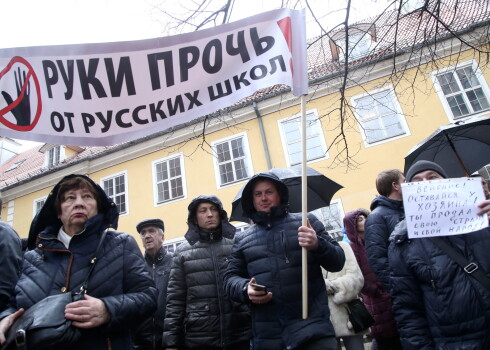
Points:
x=374, y=295
x=119, y=279
x=199, y=314
x=270, y=252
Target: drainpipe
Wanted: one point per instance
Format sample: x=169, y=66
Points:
x=262, y=134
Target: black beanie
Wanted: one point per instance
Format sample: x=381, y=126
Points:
x=423, y=165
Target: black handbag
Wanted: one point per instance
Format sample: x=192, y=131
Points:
x=359, y=316
x=43, y=325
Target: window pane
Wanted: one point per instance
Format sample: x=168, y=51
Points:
x=467, y=78
x=457, y=105
x=223, y=151
x=477, y=99
x=236, y=146
x=448, y=83
x=241, y=171
x=226, y=173
x=169, y=180
x=108, y=188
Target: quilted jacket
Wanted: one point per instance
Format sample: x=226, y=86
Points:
x=269, y=251
x=119, y=279
x=437, y=304
x=199, y=313
x=385, y=214
x=273, y=257
x=10, y=261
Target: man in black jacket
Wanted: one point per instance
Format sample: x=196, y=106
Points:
x=11, y=261
x=149, y=335
x=199, y=313
x=439, y=304
x=270, y=254
x=387, y=211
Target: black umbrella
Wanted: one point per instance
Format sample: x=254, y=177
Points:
x=320, y=191
x=460, y=148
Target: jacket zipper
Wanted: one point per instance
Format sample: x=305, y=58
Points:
x=153, y=339
x=218, y=289
x=284, y=246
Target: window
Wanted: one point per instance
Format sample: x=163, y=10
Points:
x=53, y=156
x=115, y=186
x=332, y=218
x=361, y=38
x=240, y=226
x=15, y=165
x=380, y=116
x=171, y=245
x=168, y=179
x=232, y=159
x=316, y=148
x=38, y=204
x=462, y=90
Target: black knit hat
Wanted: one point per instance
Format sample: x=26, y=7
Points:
x=423, y=165
x=150, y=222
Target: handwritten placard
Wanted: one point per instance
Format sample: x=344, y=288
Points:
x=443, y=207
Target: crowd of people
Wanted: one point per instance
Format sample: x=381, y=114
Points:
x=225, y=291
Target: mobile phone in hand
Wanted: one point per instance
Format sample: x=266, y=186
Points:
x=259, y=287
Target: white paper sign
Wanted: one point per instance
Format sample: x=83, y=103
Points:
x=443, y=207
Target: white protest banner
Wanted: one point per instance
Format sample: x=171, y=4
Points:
x=443, y=207
x=103, y=94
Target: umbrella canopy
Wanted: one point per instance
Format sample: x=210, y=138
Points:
x=460, y=148
x=320, y=190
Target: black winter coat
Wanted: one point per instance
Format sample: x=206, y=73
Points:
x=386, y=214
x=120, y=278
x=272, y=255
x=10, y=261
x=149, y=334
x=199, y=314
x=437, y=305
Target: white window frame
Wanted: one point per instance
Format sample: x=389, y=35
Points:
x=442, y=97
x=154, y=179
x=174, y=242
x=35, y=203
x=126, y=194
x=240, y=226
x=355, y=40
x=247, y=159
x=62, y=156
x=398, y=110
x=319, y=133
x=336, y=233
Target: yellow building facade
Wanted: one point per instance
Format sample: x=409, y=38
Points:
x=384, y=118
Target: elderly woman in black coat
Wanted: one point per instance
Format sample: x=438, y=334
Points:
x=63, y=239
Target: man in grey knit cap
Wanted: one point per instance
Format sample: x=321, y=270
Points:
x=438, y=304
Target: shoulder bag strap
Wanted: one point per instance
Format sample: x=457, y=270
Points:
x=471, y=269
x=83, y=288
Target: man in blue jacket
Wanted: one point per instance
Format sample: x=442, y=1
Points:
x=269, y=253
